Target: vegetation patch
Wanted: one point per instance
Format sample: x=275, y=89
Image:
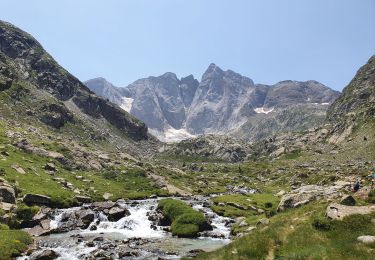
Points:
x=186, y=222
x=12, y=242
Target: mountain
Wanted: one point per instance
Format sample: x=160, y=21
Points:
x=356, y=105
x=223, y=102
x=35, y=88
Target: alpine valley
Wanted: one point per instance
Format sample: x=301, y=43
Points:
x=170, y=168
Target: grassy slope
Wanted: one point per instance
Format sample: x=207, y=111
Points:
x=291, y=235
x=12, y=242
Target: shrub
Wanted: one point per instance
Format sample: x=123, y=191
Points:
x=26, y=213
x=4, y=227
x=322, y=224
x=186, y=222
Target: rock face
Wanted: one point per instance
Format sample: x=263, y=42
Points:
x=28, y=71
x=309, y=193
x=357, y=102
x=224, y=101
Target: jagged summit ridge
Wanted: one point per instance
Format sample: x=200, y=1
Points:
x=222, y=102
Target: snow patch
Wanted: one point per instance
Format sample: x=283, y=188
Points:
x=127, y=103
x=262, y=110
x=322, y=104
x=172, y=135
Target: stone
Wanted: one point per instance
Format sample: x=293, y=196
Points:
x=36, y=199
x=38, y=231
x=338, y=211
x=47, y=255
x=7, y=207
x=107, y=195
x=366, y=239
x=103, y=205
x=117, y=213
x=348, y=200
x=264, y=221
x=7, y=194
x=50, y=167
x=82, y=199
x=18, y=169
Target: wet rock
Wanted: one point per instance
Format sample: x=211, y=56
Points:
x=36, y=199
x=98, y=239
x=117, y=213
x=38, y=231
x=93, y=227
x=348, y=200
x=101, y=206
x=338, y=211
x=46, y=255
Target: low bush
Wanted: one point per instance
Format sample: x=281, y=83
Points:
x=26, y=213
x=13, y=242
x=186, y=222
x=322, y=224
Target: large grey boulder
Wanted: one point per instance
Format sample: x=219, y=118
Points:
x=308, y=193
x=37, y=199
x=117, y=213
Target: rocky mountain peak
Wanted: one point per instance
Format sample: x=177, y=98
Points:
x=62, y=98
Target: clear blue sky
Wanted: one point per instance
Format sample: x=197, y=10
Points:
x=268, y=41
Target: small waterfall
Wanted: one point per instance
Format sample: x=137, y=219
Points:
x=134, y=225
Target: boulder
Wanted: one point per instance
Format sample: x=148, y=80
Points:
x=7, y=194
x=117, y=213
x=18, y=169
x=50, y=167
x=366, y=239
x=103, y=205
x=82, y=199
x=46, y=255
x=338, y=211
x=36, y=199
x=86, y=216
x=7, y=207
x=348, y=200
x=308, y=193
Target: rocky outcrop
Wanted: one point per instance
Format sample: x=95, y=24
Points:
x=338, y=211
x=309, y=193
x=356, y=103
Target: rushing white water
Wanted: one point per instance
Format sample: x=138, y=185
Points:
x=135, y=225
x=158, y=243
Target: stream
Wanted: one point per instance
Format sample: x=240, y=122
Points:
x=131, y=237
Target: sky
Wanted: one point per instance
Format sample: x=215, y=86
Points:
x=268, y=41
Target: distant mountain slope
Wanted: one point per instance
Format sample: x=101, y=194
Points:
x=356, y=103
x=37, y=88
x=223, y=102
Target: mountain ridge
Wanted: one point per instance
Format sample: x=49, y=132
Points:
x=222, y=102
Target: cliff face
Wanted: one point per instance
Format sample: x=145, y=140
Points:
x=23, y=62
x=358, y=98
x=224, y=102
